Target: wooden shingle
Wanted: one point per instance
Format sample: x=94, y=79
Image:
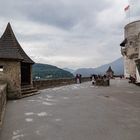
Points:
x=11, y=49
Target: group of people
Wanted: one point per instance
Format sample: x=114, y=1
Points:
x=132, y=79
x=78, y=78
x=99, y=79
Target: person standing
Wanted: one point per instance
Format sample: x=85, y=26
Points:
x=80, y=78
x=77, y=79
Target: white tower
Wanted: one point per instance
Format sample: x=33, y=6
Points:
x=130, y=49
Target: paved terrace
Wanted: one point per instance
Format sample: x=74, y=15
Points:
x=76, y=112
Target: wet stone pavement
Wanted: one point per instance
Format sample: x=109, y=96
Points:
x=76, y=112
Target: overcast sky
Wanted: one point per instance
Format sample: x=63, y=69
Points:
x=69, y=33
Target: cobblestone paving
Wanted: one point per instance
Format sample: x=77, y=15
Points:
x=76, y=112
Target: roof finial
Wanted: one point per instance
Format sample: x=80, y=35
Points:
x=9, y=25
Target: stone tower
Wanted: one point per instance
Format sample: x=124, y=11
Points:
x=15, y=65
x=130, y=49
x=110, y=72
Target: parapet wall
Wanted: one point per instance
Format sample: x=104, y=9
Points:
x=132, y=29
x=42, y=84
x=3, y=100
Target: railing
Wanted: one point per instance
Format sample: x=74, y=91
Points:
x=42, y=84
x=3, y=93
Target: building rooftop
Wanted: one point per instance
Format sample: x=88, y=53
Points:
x=10, y=48
x=109, y=69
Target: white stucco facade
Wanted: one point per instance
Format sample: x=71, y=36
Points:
x=131, y=49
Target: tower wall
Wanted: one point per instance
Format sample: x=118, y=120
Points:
x=131, y=48
x=11, y=74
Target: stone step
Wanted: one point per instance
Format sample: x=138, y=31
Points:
x=29, y=94
x=28, y=90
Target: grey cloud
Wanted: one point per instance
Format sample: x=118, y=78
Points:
x=134, y=8
x=82, y=34
x=36, y=37
x=62, y=14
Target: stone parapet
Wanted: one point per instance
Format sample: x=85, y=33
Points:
x=3, y=100
x=42, y=84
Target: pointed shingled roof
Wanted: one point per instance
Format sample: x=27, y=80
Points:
x=110, y=69
x=10, y=48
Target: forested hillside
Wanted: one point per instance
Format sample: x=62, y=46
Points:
x=45, y=71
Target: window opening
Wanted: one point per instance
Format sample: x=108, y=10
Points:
x=1, y=68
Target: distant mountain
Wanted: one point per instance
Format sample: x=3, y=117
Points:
x=117, y=66
x=45, y=71
x=85, y=72
x=70, y=70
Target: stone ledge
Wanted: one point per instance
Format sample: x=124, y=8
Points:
x=42, y=84
x=3, y=100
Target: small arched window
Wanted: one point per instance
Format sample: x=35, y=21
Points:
x=1, y=68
